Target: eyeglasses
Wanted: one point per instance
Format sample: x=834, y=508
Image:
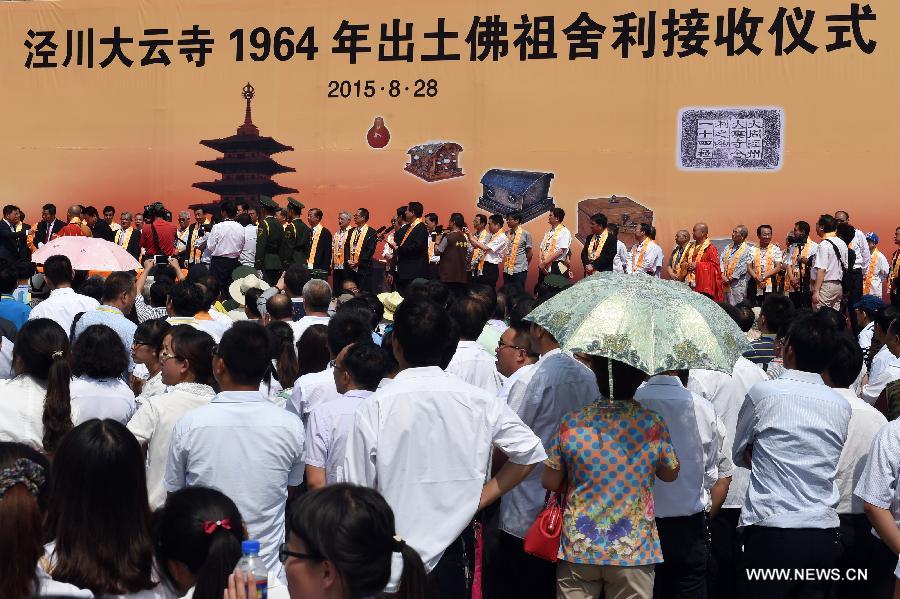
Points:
x=501, y=345
x=165, y=356
x=284, y=553
x=137, y=342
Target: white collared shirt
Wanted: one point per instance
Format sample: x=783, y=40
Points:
x=726, y=393
x=496, y=251
x=310, y=390
x=327, y=430
x=559, y=384
x=514, y=386
x=621, y=261
x=563, y=241
x=154, y=422
x=653, y=258
x=251, y=450
x=880, y=480
x=882, y=358
x=881, y=272
x=300, y=326
x=865, y=422
x=432, y=474
x=470, y=363
x=860, y=247
x=865, y=336
x=879, y=380
x=691, y=420
x=22, y=411
x=248, y=252
x=828, y=261
x=226, y=240
x=101, y=398
x=797, y=427
x=62, y=306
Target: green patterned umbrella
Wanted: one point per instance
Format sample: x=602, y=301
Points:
x=649, y=323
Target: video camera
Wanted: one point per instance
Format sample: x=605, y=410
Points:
x=796, y=239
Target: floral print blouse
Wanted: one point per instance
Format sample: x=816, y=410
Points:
x=610, y=453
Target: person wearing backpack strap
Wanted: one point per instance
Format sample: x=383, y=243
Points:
x=831, y=266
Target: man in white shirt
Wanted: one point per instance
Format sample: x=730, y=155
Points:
x=831, y=262
x=862, y=256
x=225, y=243
x=733, y=263
x=516, y=361
x=358, y=370
x=554, y=248
x=248, y=252
x=119, y=293
x=316, y=299
x=646, y=256
x=791, y=430
x=471, y=363
x=241, y=443
x=493, y=251
x=345, y=327
x=432, y=475
x=890, y=371
x=63, y=303
x=866, y=309
x=559, y=384
x=684, y=505
x=860, y=548
x=877, y=270
x=621, y=261
x=765, y=264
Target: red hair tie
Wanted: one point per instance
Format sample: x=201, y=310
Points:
x=210, y=526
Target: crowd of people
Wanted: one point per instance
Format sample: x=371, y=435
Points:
x=255, y=380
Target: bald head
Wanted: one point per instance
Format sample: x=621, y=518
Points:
x=841, y=216
x=278, y=307
x=74, y=211
x=701, y=232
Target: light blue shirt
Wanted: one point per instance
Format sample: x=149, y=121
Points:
x=114, y=319
x=797, y=427
x=560, y=384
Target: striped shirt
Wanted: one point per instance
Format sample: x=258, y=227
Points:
x=796, y=427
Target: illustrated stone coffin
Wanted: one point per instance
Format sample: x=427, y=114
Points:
x=506, y=191
x=619, y=210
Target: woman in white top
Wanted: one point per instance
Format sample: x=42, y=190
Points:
x=284, y=363
x=187, y=370
x=148, y=340
x=98, y=361
x=98, y=516
x=24, y=488
x=35, y=407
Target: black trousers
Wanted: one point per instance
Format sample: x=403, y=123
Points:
x=523, y=575
x=861, y=550
x=685, y=547
x=490, y=274
x=554, y=270
x=788, y=550
x=516, y=279
x=802, y=299
x=221, y=268
x=451, y=578
x=855, y=294
x=726, y=556
x=337, y=280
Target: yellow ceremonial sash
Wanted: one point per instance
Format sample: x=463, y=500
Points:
x=757, y=257
x=415, y=223
x=484, y=254
x=597, y=244
x=640, y=255
x=731, y=264
x=895, y=268
x=548, y=244
x=315, y=243
x=695, y=252
x=870, y=272
x=124, y=237
x=338, y=247
x=512, y=251
x=356, y=242
x=478, y=251
x=18, y=228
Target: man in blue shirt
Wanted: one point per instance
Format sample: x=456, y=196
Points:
x=11, y=309
x=119, y=293
x=790, y=433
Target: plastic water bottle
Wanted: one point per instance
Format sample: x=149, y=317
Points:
x=254, y=569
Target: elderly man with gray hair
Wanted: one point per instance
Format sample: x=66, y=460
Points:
x=734, y=261
x=182, y=236
x=316, y=300
x=339, y=255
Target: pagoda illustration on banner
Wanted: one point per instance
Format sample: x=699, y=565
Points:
x=247, y=166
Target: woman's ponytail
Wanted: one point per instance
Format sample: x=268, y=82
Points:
x=412, y=580
x=57, y=417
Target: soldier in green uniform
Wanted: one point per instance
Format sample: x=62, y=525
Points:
x=302, y=234
x=269, y=239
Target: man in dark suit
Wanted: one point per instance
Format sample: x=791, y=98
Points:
x=12, y=241
x=49, y=226
x=99, y=228
x=128, y=237
x=599, y=247
x=410, y=245
x=360, y=247
x=320, y=243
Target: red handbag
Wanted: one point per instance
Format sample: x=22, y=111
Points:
x=544, y=535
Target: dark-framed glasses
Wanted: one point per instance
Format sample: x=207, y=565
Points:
x=284, y=553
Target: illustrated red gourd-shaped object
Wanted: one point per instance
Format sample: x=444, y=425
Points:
x=378, y=136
